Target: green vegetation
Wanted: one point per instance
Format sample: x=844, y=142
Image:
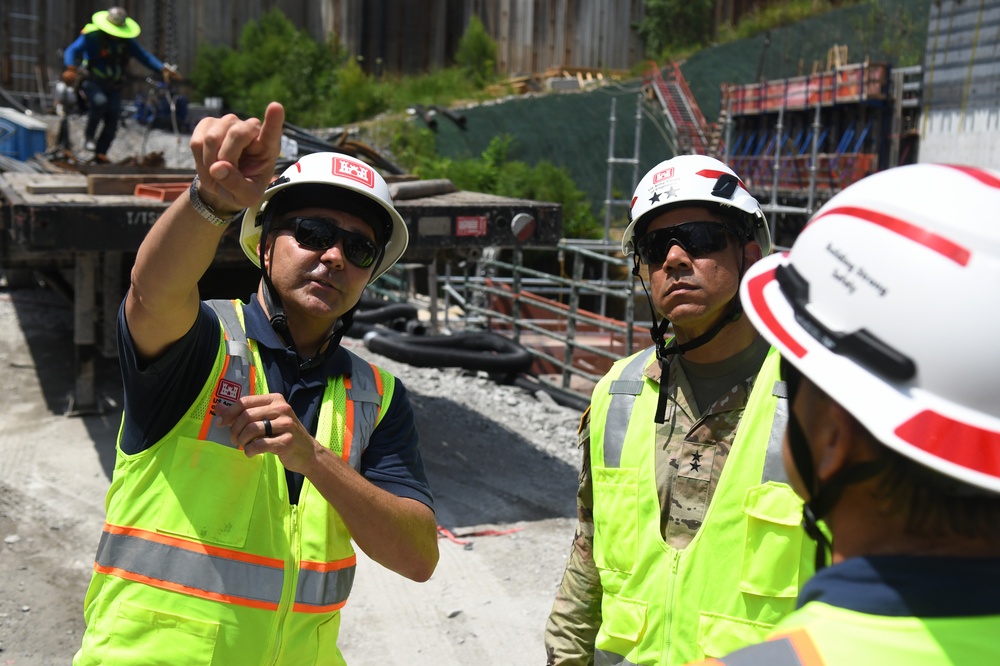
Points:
x=673, y=25
x=895, y=33
x=673, y=29
x=495, y=173
x=762, y=19
x=275, y=62
x=320, y=86
x=477, y=54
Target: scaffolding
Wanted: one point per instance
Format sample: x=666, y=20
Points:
x=610, y=201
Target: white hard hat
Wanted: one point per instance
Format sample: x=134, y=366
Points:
x=692, y=180
x=336, y=170
x=887, y=301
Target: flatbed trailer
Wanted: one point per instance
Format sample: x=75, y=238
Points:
x=81, y=232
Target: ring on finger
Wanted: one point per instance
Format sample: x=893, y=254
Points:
x=267, y=427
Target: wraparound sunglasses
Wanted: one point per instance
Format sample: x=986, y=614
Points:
x=317, y=233
x=696, y=238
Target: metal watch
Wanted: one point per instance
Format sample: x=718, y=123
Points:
x=205, y=210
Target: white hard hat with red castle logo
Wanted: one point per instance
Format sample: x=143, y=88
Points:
x=694, y=180
x=337, y=170
x=887, y=301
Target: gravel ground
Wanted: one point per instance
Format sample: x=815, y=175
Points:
x=502, y=462
x=132, y=142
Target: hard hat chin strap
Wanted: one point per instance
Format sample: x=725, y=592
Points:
x=664, y=353
x=822, y=496
x=276, y=312
x=279, y=320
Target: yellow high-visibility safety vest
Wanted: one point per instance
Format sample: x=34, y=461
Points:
x=203, y=560
x=819, y=634
x=742, y=571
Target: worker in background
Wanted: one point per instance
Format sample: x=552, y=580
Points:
x=97, y=62
x=254, y=449
x=894, y=433
x=688, y=541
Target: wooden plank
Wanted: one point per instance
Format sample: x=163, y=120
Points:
x=56, y=184
x=122, y=183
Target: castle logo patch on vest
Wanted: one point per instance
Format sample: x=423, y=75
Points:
x=226, y=393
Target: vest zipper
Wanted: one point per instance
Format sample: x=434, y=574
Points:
x=668, y=628
x=289, y=585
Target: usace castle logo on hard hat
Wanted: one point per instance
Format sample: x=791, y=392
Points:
x=346, y=168
x=661, y=176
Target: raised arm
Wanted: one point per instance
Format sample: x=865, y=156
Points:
x=235, y=161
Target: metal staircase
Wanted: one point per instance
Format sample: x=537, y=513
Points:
x=684, y=118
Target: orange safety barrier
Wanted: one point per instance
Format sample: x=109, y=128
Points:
x=853, y=83
x=161, y=191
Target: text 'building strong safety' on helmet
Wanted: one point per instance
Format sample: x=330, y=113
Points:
x=888, y=302
x=694, y=180
x=338, y=171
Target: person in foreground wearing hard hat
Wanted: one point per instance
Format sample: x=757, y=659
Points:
x=688, y=542
x=892, y=442
x=254, y=449
x=102, y=52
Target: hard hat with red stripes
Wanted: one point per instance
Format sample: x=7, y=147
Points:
x=887, y=302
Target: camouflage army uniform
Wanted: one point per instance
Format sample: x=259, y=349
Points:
x=691, y=450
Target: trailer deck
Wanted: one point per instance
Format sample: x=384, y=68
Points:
x=82, y=230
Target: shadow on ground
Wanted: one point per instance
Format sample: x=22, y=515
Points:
x=483, y=473
x=46, y=321
x=480, y=471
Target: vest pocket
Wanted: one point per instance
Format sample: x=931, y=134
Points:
x=210, y=493
x=616, y=516
x=141, y=635
x=718, y=635
x=772, y=551
x=623, y=626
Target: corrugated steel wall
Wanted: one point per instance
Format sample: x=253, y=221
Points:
x=533, y=35
x=399, y=35
x=961, y=95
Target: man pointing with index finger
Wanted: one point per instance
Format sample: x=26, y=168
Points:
x=255, y=449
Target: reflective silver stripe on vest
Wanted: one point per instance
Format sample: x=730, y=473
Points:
x=238, y=368
x=774, y=465
x=363, y=392
x=623, y=391
x=775, y=652
x=629, y=385
x=605, y=658
x=367, y=403
x=213, y=575
x=319, y=588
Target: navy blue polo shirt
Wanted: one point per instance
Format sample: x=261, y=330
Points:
x=909, y=586
x=158, y=394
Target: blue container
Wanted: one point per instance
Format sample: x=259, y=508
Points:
x=21, y=136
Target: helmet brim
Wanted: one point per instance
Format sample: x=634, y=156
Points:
x=898, y=414
x=130, y=30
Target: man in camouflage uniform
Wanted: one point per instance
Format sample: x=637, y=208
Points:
x=672, y=560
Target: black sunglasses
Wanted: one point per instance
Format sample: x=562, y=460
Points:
x=696, y=238
x=317, y=233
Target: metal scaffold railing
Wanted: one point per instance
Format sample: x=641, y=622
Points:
x=546, y=313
